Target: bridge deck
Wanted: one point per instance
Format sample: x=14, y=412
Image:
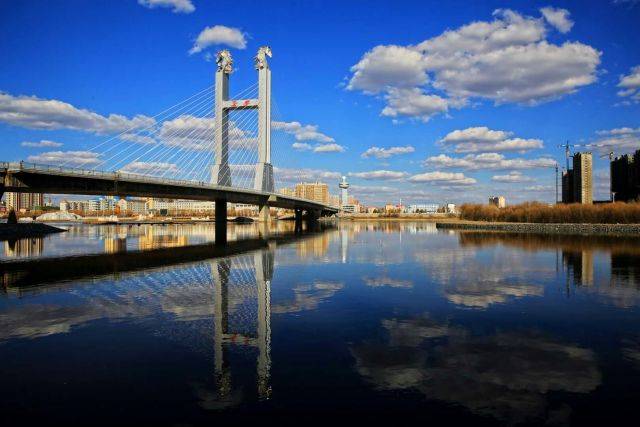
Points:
x=33, y=178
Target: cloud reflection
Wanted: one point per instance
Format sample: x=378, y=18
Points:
x=308, y=297
x=505, y=375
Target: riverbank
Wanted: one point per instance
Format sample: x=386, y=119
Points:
x=401, y=217
x=27, y=230
x=522, y=227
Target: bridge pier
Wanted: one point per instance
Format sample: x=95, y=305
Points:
x=220, y=171
x=263, y=264
x=312, y=219
x=298, y=221
x=221, y=222
x=264, y=214
x=220, y=271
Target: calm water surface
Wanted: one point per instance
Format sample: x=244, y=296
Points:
x=156, y=325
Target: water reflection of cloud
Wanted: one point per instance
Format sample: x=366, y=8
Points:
x=504, y=375
x=184, y=292
x=377, y=282
x=308, y=297
x=583, y=259
x=468, y=279
x=482, y=294
x=631, y=351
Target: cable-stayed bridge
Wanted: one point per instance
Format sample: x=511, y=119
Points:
x=188, y=151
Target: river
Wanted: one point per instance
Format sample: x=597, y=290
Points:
x=155, y=324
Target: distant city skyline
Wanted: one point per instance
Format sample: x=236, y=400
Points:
x=374, y=96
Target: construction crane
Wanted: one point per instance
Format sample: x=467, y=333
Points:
x=609, y=154
x=567, y=151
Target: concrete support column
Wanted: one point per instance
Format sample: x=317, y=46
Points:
x=263, y=263
x=264, y=213
x=220, y=171
x=312, y=219
x=298, y=221
x=220, y=275
x=264, y=169
x=221, y=221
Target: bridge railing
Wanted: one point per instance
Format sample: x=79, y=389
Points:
x=115, y=175
x=37, y=167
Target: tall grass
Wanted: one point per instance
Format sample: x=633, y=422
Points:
x=608, y=213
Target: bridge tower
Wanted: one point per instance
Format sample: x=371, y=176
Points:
x=220, y=172
x=221, y=271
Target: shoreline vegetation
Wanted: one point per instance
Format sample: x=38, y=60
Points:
x=631, y=230
x=539, y=213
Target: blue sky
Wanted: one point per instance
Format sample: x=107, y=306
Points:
x=428, y=101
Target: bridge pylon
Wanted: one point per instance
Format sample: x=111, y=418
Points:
x=220, y=172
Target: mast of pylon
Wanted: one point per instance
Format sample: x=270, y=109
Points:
x=220, y=171
x=264, y=169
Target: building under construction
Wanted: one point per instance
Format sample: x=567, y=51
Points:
x=577, y=183
x=625, y=177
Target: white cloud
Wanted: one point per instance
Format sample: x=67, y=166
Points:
x=619, y=131
x=513, y=176
x=630, y=84
x=385, y=153
x=329, y=148
x=138, y=138
x=447, y=178
x=413, y=103
x=50, y=114
x=539, y=188
x=506, y=60
x=149, y=168
x=301, y=146
x=188, y=131
x=488, y=161
x=619, y=140
x=69, y=158
x=219, y=35
x=383, y=175
x=197, y=133
x=302, y=132
x=43, y=143
x=388, y=66
x=304, y=175
x=559, y=18
x=482, y=139
x=179, y=6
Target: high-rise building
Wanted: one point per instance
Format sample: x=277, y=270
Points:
x=577, y=183
x=625, y=177
x=498, y=201
x=288, y=192
x=583, y=178
x=318, y=191
x=24, y=201
x=567, y=186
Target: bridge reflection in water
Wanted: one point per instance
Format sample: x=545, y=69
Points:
x=373, y=310
x=235, y=286
x=229, y=285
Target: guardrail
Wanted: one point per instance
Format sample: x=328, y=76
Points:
x=116, y=176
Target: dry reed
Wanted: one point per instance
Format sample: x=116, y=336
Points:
x=607, y=213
